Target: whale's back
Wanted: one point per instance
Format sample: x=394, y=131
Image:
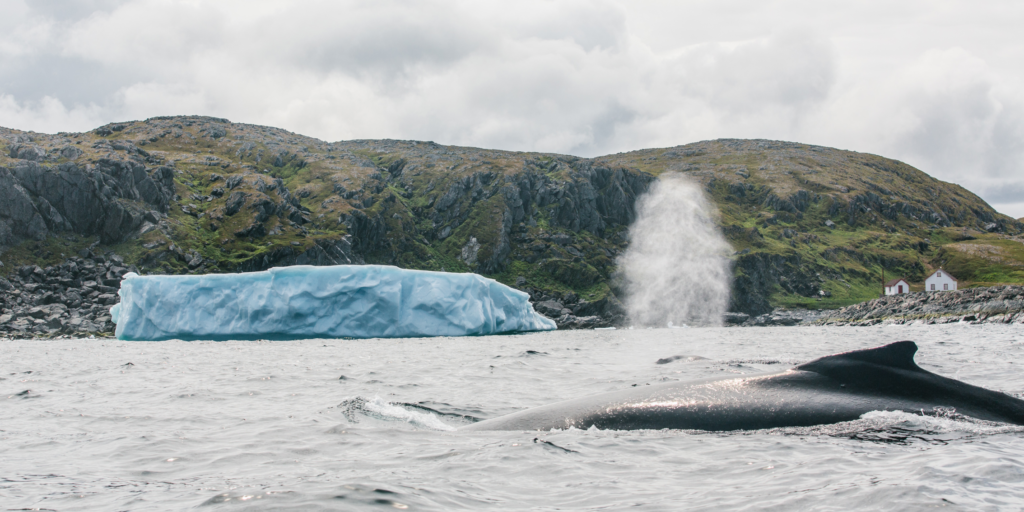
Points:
x=831, y=389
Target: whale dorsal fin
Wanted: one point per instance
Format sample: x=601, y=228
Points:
x=894, y=355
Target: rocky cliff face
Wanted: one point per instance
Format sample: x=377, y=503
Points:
x=811, y=226
x=110, y=199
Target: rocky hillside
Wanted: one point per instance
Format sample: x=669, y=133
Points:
x=811, y=226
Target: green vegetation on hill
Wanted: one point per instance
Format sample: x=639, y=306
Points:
x=811, y=226
x=984, y=261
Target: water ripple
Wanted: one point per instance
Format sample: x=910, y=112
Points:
x=271, y=426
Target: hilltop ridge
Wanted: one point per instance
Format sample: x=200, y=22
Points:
x=811, y=226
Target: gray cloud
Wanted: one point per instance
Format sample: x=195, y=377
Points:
x=376, y=41
x=593, y=26
x=942, y=91
x=792, y=68
x=605, y=126
x=1005, y=193
x=72, y=79
x=68, y=10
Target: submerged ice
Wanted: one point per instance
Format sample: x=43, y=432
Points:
x=360, y=301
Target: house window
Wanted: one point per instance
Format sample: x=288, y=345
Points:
x=900, y=289
x=938, y=274
x=933, y=287
x=945, y=286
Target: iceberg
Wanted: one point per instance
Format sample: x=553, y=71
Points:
x=358, y=301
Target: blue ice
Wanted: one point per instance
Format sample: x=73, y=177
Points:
x=359, y=301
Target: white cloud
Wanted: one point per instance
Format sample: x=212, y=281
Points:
x=157, y=36
x=793, y=68
x=49, y=112
x=945, y=112
x=937, y=86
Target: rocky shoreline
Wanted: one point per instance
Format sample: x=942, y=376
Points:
x=73, y=298
x=995, y=305
x=778, y=317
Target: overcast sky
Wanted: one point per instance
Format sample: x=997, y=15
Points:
x=937, y=84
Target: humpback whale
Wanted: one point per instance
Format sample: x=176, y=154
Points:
x=832, y=389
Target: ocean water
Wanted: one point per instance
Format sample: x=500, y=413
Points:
x=370, y=425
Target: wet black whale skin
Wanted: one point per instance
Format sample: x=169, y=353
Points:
x=831, y=389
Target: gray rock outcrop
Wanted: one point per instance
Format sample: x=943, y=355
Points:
x=111, y=198
x=996, y=304
x=72, y=298
x=19, y=216
x=570, y=312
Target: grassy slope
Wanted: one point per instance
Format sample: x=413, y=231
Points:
x=400, y=181
x=835, y=175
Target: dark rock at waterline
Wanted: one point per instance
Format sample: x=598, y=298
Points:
x=72, y=298
x=736, y=318
x=776, y=320
x=570, y=321
x=551, y=309
x=995, y=304
x=571, y=312
x=777, y=317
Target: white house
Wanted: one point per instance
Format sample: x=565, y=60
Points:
x=940, y=281
x=897, y=286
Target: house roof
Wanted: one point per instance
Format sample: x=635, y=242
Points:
x=947, y=273
x=894, y=281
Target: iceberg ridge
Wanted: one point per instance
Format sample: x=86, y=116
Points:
x=359, y=301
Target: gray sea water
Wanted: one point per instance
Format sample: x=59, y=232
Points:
x=369, y=424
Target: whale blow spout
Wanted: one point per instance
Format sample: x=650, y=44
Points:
x=676, y=268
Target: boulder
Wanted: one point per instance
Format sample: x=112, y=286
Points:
x=736, y=318
x=551, y=309
x=28, y=152
x=70, y=152
x=569, y=321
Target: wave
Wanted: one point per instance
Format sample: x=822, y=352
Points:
x=379, y=409
x=899, y=427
